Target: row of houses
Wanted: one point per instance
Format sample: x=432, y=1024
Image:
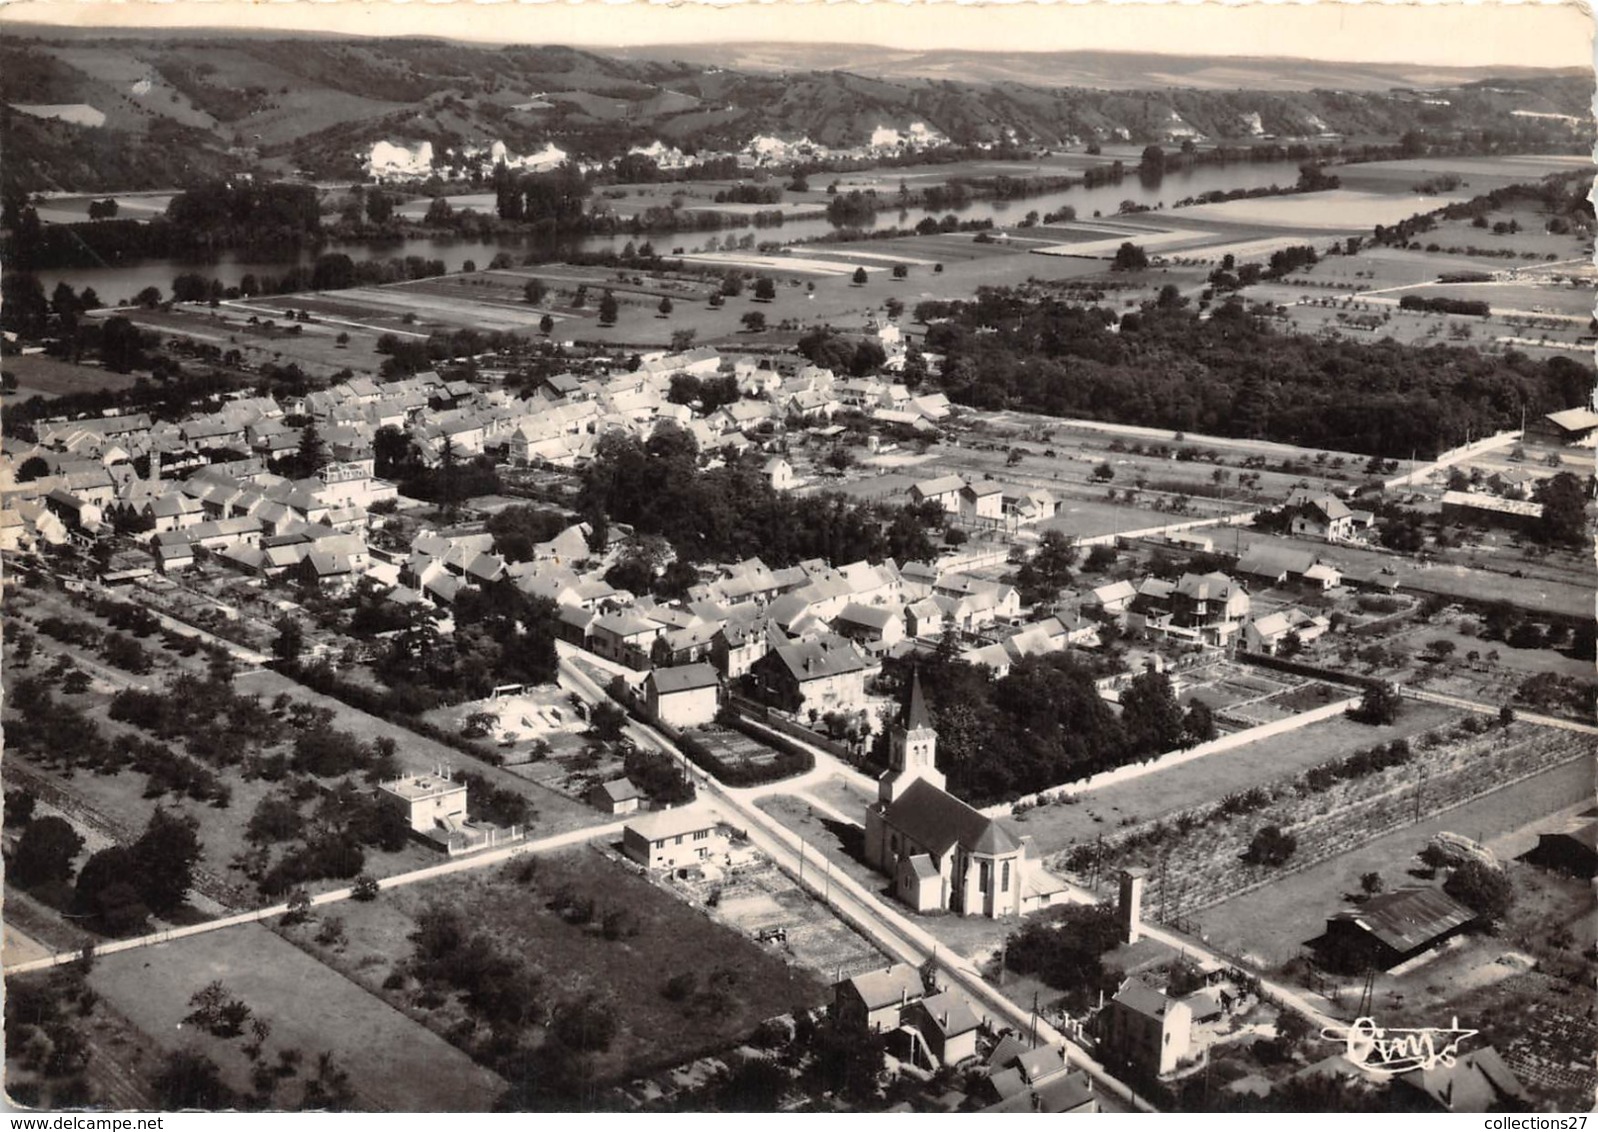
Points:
x=1214, y=609
x=930, y=1027
x=986, y=502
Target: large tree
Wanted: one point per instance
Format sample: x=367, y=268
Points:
x=190, y=1080
x=1564, y=517
x=518, y=529
x=1065, y=949
x=1151, y=716
x=1487, y=891
x=1129, y=257
x=45, y=852
x=108, y=891
x=166, y=855
x=312, y=455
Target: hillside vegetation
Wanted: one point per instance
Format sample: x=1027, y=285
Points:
x=183, y=109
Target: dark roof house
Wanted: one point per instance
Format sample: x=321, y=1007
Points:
x=1394, y=927
x=1477, y=1081
x=937, y=819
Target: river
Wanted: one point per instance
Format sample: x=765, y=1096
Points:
x=121, y=282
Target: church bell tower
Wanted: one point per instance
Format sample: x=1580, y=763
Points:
x=912, y=748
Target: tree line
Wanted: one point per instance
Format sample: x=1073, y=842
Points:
x=1042, y=724
x=730, y=513
x=204, y=220
x=1234, y=374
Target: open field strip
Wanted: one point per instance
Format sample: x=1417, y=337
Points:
x=1244, y=250
x=1335, y=210
x=1383, y=297
x=1568, y=347
x=768, y=263
x=1165, y=240
x=881, y=257
x=791, y=210
x=248, y=307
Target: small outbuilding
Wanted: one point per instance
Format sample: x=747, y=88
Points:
x=619, y=796
x=1395, y=927
x=1572, y=850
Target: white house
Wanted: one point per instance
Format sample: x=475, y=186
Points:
x=672, y=838
x=779, y=473
x=685, y=696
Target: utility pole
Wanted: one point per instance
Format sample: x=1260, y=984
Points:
x=1165, y=887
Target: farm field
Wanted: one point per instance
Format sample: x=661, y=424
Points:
x=1272, y=924
x=1530, y=298
x=1486, y=681
x=1085, y=519
x=630, y=972
x=1334, y=211
x=1064, y=456
x=1373, y=320
x=395, y=1064
x=1479, y=174
x=62, y=208
x=107, y=808
x=39, y=376
x=1522, y=987
x=315, y=347
x=759, y=897
x=1537, y=1021
x=1546, y=588
x=1210, y=778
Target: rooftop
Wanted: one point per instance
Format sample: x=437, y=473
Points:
x=937, y=819
x=951, y=1013
x=671, y=823
x=1409, y=918
x=1138, y=996
x=417, y=786
x=684, y=678
x=899, y=983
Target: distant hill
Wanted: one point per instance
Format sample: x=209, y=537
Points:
x=1104, y=70
x=191, y=106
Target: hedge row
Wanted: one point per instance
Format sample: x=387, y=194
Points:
x=1315, y=671
x=791, y=759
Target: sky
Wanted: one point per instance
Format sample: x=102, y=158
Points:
x=1439, y=33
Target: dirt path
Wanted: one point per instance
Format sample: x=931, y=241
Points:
x=21, y=948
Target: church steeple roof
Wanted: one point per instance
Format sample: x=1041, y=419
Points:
x=916, y=715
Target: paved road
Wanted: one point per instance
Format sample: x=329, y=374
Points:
x=460, y=865
x=887, y=928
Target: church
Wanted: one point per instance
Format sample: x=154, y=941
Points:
x=942, y=854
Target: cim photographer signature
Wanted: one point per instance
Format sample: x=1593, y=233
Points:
x=1380, y=1050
